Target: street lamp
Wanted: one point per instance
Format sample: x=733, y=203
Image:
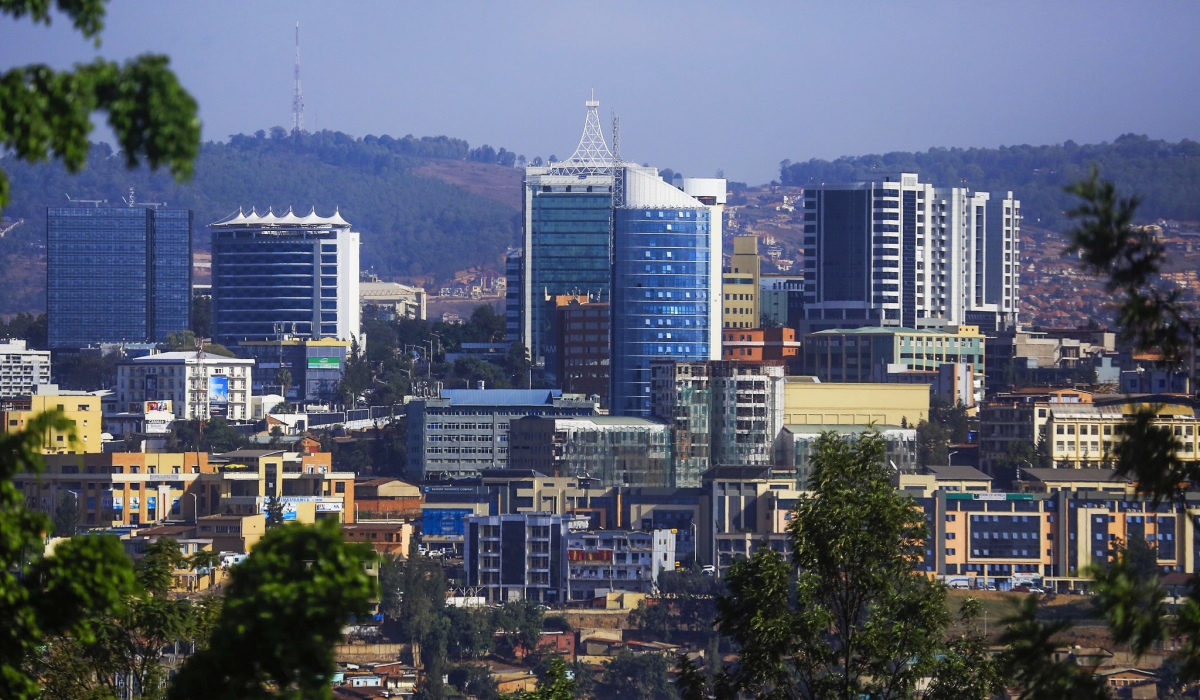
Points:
x=950, y=457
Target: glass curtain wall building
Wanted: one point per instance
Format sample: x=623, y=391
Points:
x=284, y=275
x=117, y=274
x=566, y=210
x=666, y=281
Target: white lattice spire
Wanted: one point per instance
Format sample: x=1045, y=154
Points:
x=591, y=156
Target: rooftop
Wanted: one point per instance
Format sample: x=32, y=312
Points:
x=958, y=473
x=887, y=330
x=288, y=220
x=501, y=397
x=186, y=356
x=1077, y=475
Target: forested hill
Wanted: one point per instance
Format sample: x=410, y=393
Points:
x=412, y=223
x=1165, y=174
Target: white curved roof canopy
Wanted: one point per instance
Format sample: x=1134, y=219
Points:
x=254, y=219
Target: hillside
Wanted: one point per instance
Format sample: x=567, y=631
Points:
x=412, y=199
x=1165, y=174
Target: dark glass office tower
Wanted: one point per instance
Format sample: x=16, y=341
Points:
x=117, y=274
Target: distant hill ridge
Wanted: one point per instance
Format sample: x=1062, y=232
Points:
x=1166, y=175
x=413, y=223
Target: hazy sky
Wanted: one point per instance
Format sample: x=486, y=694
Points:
x=698, y=85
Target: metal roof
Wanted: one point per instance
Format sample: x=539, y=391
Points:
x=501, y=397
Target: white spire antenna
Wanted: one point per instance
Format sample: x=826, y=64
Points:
x=591, y=156
x=297, y=93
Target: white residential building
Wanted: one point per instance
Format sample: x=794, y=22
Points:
x=198, y=386
x=22, y=369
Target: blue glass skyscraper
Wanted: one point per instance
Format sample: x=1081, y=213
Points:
x=666, y=281
x=117, y=274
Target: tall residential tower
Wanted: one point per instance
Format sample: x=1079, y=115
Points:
x=897, y=252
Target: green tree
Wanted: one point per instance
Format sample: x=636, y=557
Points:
x=214, y=435
x=554, y=685
x=284, y=611
x=968, y=671
x=48, y=113
x=66, y=515
x=638, y=677
x=1029, y=659
x=846, y=616
x=274, y=511
x=182, y=340
x=933, y=443
x=476, y=681
x=202, y=315
x=45, y=596
x=356, y=376
x=517, y=364
x=283, y=377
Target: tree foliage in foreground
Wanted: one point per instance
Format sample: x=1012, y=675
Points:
x=284, y=611
x=48, y=113
x=847, y=615
x=46, y=596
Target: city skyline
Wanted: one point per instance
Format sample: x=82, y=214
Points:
x=782, y=73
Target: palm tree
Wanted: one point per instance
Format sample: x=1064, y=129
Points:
x=206, y=559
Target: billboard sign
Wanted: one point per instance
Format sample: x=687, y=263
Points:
x=444, y=521
x=218, y=396
x=324, y=363
x=149, y=406
x=600, y=555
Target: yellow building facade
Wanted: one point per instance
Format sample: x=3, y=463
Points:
x=80, y=408
x=808, y=402
x=742, y=304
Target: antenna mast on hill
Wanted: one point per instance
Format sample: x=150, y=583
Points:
x=297, y=94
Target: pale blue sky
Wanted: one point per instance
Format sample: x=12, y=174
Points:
x=698, y=85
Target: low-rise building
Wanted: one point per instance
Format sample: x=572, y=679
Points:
x=199, y=385
x=855, y=355
x=517, y=557
x=80, y=408
x=312, y=367
x=808, y=400
x=797, y=444
x=386, y=538
x=604, y=561
x=22, y=368
x=742, y=509
x=759, y=345
x=390, y=301
x=463, y=431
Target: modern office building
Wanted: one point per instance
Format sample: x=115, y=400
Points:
x=743, y=509
x=514, y=309
x=276, y=275
x=464, y=431
x=22, y=369
x=315, y=366
x=581, y=346
x=740, y=285
x=117, y=274
x=666, y=265
x=897, y=252
x=567, y=207
x=195, y=385
x=615, y=451
x=517, y=557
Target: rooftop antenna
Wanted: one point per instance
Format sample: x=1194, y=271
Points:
x=591, y=156
x=618, y=185
x=297, y=94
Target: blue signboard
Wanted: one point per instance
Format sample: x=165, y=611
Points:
x=444, y=521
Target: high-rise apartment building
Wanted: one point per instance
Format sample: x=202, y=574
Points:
x=748, y=410
x=567, y=205
x=666, y=265
x=680, y=396
x=117, y=274
x=742, y=298
x=276, y=275
x=897, y=252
